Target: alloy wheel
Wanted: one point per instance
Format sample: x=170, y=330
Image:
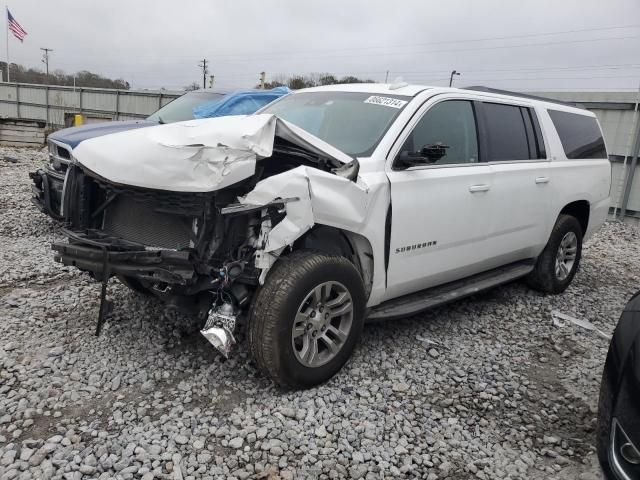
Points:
x=322, y=324
x=566, y=256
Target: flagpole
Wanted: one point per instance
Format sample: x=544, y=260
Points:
x=6, y=18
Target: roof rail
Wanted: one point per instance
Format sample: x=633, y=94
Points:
x=480, y=88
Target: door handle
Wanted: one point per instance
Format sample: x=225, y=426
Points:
x=479, y=188
x=542, y=179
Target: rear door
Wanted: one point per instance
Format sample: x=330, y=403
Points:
x=441, y=212
x=521, y=197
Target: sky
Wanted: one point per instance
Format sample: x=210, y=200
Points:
x=527, y=45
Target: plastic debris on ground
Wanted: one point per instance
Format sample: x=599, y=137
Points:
x=428, y=342
x=560, y=319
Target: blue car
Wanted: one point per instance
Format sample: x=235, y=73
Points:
x=48, y=183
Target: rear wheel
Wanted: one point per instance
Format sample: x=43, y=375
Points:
x=306, y=319
x=558, y=262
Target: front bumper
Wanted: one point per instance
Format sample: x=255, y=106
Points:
x=47, y=189
x=102, y=255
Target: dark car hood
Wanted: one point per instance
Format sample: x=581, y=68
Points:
x=74, y=135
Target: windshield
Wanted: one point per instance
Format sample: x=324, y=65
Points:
x=181, y=108
x=353, y=122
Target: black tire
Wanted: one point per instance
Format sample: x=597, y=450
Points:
x=134, y=284
x=272, y=314
x=543, y=277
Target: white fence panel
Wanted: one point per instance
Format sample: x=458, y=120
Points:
x=52, y=103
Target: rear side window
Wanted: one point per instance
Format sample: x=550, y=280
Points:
x=579, y=134
x=512, y=133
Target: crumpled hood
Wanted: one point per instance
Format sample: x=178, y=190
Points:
x=74, y=135
x=196, y=155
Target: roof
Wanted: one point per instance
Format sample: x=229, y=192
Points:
x=413, y=90
x=379, y=88
x=517, y=94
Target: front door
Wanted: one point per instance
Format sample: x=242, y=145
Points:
x=441, y=213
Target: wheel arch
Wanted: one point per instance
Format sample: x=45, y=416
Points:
x=336, y=241
x=580, y=210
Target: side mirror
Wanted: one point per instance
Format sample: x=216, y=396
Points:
x=428, y=154
x=434, y=151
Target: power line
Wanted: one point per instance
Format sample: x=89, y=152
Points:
x=312, y=57
x=423, y=72
x=442, y=42
x=521, y=68
x=514, y=69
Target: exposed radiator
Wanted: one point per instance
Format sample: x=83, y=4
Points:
x=138, y=222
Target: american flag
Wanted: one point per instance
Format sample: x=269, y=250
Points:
x=15, y=27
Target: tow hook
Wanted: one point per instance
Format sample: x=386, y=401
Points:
x=221, y=323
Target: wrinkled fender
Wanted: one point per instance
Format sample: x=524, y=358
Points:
x=324, y=199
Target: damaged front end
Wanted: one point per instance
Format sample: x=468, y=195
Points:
x=203, y=248
x=185, y=248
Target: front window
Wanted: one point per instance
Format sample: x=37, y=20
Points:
x=182, y=108
x=353, y=122
x=446, y=134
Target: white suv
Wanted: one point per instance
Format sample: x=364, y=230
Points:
x=334, y=205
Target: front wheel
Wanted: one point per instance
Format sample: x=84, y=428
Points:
x=306, y=319
x=558, y=262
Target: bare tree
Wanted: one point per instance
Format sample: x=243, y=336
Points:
x=311, y=80
x=83, y=78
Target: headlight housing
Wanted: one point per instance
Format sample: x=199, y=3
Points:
x=59, y=156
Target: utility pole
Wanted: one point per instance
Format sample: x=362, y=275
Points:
x=386, y=77
x=451, y=77
x=263, y=77
x=205, y=70
x=45, y=59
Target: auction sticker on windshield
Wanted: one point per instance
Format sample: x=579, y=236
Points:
x=386, y=101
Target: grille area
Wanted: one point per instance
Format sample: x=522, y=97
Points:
x=190, y=204
x=138, y=222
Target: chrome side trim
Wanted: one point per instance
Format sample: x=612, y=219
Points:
x=475, y=164
x=536, y=160
x=448, y=165
x=613, y=450
x=64, y=191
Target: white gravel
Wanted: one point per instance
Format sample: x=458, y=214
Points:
x=485, y=388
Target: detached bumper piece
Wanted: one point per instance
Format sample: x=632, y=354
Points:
x=106, y=256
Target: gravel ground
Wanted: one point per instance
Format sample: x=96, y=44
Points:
x=485, y=388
